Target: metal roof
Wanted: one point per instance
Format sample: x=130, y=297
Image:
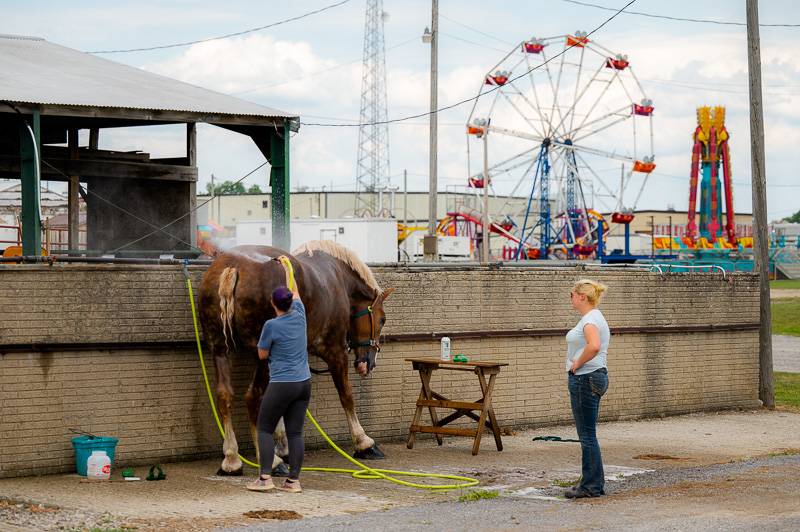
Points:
x=36, y=71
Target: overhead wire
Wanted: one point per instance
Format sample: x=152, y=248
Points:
x=220, y=37
x=678, y=19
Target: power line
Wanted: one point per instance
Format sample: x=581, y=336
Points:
x=681, y=19
x=226, y=36
x=467, y=100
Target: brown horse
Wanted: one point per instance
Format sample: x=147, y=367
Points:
x=344, y=308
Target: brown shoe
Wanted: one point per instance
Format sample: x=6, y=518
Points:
x=291, y=486
x=261, y=484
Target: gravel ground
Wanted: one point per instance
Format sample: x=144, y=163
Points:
x=786, y=353
x=716, y=497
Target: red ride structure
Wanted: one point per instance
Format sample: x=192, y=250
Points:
x=709, y=152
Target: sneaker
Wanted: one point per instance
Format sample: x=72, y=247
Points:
x=261, y=484
x=291, y=486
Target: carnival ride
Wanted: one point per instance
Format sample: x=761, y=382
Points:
x=547, y=112
x=709, y=152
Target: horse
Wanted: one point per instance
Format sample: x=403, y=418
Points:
x=344, y=310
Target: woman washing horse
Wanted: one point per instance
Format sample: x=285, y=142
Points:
x=283, y=343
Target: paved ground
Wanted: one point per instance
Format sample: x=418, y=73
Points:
x=757, y=494
x=786, y=353
x=784, y=293
x=668, y=468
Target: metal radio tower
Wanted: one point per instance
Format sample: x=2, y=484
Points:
x=373, y=138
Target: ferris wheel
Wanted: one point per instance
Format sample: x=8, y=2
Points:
x=570, y=123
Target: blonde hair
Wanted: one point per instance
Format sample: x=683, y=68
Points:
x=591, y=289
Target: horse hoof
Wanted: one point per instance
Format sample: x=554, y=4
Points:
x=234, y=473
x=371, y=453
x=280, y=471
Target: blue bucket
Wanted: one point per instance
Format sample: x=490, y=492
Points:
x=84, y=445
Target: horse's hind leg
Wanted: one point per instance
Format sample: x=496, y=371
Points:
x=231, y=464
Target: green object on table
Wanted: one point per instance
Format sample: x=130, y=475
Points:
x=128, y=472
x=461, y=357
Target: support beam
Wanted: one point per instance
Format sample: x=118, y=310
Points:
x=29, y=170
x=73, y=204
x=191, y=156
x=280, y=183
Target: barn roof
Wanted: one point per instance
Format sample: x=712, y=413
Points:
x=68, y=82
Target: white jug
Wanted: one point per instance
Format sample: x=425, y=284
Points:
x=98, y=466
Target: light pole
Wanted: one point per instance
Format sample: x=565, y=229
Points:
x=486, y=222
x=430, y=241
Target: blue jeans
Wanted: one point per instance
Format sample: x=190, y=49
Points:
x=585, y=392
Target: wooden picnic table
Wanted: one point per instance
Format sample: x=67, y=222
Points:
x=433, y=400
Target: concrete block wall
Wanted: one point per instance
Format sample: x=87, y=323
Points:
x=124, y=365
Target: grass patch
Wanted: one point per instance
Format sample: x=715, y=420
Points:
x=787, y=389
x=785, y=452
x=561, y=483
x=478, y=495
x=786, y=316
x=785, y=284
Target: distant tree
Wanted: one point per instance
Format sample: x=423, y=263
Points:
x=795, y=218
x=254, y=189
x=226, y=188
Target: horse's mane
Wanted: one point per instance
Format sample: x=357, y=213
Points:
x=345, y=255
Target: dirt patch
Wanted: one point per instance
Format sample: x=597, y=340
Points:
x=281, y=515
x=656, y=457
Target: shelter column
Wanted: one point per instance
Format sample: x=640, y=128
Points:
x=191, y=160
x=280, y=183
x=73, y=204
x=30, y=148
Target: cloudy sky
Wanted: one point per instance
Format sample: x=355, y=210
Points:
x=313, y=67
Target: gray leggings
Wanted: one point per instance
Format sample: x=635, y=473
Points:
x=287, y=400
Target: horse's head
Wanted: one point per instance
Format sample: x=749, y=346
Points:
x=366, y=322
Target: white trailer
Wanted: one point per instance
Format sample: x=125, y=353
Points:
x=373, y=239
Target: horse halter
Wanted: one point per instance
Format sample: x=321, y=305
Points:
x=372, y=342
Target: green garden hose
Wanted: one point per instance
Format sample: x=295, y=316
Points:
x=365, y=473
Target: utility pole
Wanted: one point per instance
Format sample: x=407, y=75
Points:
x=486, y=222
x=766, y=388
x=430, y=242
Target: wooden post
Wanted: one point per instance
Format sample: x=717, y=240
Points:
x=94, y=138
x=73, y=198
x=191, y=160
x=766, y=388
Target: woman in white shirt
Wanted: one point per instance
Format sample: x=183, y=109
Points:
x=587, y=349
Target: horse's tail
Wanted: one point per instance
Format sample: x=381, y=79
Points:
x=227, y=287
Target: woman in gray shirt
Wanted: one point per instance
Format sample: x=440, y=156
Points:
x=587, y=379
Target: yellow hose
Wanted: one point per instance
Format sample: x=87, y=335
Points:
x=365, y=473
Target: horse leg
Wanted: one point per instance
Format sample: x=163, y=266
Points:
x=281, y=442
x=366, y=448
x=231, y=464
x=255, y=393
